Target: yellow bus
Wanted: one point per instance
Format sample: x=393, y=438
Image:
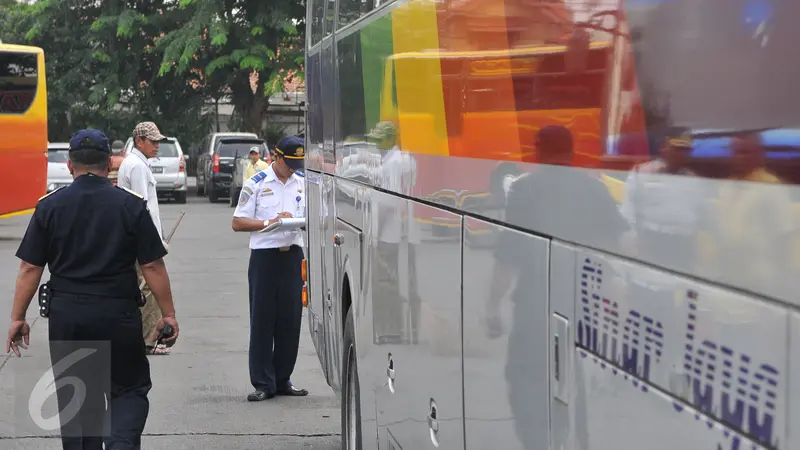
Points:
x=23, y=128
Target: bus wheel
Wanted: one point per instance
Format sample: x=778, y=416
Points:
x=351, y=404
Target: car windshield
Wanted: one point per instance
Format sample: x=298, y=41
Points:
x=240, y=148
x=57, y=155
x=168, y=149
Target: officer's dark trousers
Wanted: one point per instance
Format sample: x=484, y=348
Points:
x=118, y=324
x=276, y=310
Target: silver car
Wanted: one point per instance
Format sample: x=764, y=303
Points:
x=169, y=169
x=57, y=171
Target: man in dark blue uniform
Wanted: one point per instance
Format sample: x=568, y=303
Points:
x=274, y=275
x=90, y=235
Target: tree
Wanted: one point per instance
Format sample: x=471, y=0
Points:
x=113, y=63
x=102, y=67
x=233, y=43
x=132, y=30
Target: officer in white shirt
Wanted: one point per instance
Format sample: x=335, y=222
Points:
x=274, y=275
x=134, y=174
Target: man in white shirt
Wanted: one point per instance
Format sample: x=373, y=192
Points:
x=134, y=174
x=274, y=274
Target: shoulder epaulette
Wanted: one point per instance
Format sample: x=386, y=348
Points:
x=51, y=193
x=259, y=176
x=131, y=192
x=300, y=174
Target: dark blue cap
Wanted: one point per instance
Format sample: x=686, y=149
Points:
x=292, y=151
x=89, y=139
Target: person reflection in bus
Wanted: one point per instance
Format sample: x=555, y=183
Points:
x=663, y=209
x=755, y=215
x=397, y=242
x=552, y=198
x=570, y=197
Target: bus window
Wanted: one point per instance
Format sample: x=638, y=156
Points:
x=317, y=13
x=330, y=15
x=561, y=91
x=489, y=94
x=18, y=82
x=536, y=83
x=352, y=10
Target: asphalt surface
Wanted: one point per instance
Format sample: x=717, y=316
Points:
x=199, y=392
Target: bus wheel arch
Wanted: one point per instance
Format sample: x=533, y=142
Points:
x=351, y=390
x=347, y=299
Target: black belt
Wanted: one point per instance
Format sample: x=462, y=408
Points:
x=281, y=249
x=46, y=294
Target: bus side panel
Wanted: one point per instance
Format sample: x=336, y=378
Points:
x=563, y=258
x=794, y=383
x=316, y=210
x=615, y=415
x=23, y=147
x=328, y=272
x=416, y=315
x=505, y=363
x=316, y=216
x=353, y=205
x=664, y=358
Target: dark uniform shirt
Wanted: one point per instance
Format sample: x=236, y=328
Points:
x=567, y=209
x=90, y=234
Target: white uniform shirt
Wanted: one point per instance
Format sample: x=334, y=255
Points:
x=398, y=172
x=135, y=174
x=662, y=202
x=263, y=197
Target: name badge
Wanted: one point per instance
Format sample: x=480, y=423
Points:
x=267, y=191
x=298, y=210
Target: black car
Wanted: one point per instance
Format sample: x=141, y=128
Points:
x=219, y=168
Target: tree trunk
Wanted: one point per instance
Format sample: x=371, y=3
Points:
x=254, y=113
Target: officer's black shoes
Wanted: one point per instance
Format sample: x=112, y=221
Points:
x=292, y=391
x=259, y=395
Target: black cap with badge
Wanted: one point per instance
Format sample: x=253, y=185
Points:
x=291, y=150
x=679, y=137
x=89, y=139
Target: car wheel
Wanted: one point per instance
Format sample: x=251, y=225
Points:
x=180, y=197
x=232, y=197
x=201, y=185
x=213, y=195
x=351, y=395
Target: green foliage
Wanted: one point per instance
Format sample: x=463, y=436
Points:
x=228, y=40
x=116, y=62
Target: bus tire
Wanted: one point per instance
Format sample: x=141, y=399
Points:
x=351, y=389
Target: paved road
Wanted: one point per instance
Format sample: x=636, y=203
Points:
x=198, y=398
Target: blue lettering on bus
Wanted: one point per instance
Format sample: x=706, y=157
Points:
x=634, y=342
x=748, y=393
x=747, y=398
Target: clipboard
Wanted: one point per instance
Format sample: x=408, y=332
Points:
x=285, y=224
